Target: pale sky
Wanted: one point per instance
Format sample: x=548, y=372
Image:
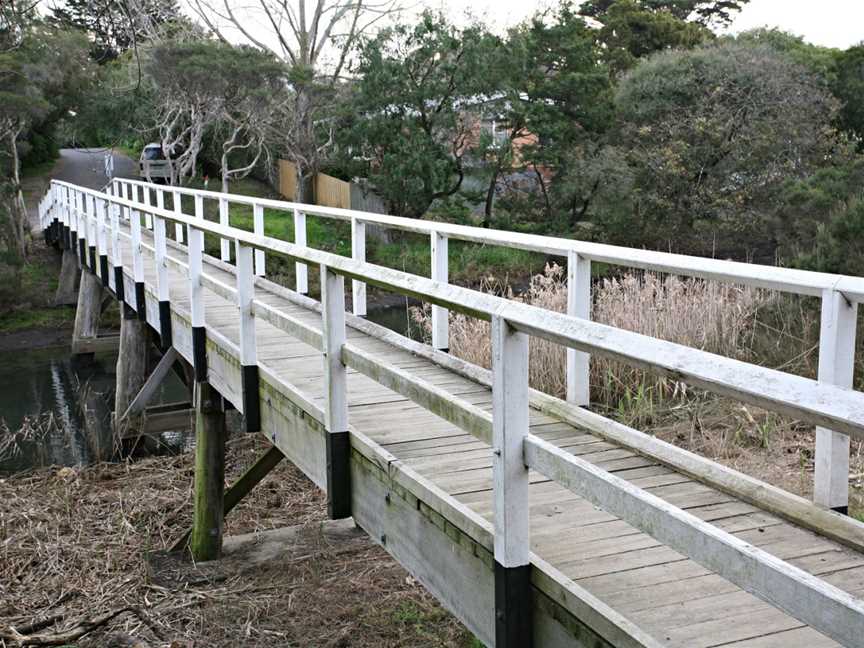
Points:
x=833, y=23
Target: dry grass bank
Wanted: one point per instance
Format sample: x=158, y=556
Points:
x=74, y=546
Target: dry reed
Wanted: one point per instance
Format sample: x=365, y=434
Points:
x=704, y=315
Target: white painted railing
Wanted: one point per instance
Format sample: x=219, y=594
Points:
x=840, y=294
x=821, y=403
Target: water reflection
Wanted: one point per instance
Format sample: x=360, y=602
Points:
x=55, y=409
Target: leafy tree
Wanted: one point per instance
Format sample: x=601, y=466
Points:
x=819, y=60
x=414, y=110
x=839, y=242
x=848, y=86
x=115, y=27
x=43, y=72
x=559, y=93
x=712, y=135
x=209, y=87
x=631, y=30
x=705, y=12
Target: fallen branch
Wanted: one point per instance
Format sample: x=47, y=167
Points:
x=81, y=628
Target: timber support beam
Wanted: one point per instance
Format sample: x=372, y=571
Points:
x=206, y=538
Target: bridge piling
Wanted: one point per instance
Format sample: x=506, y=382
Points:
x=132, y=363
x=206, y=540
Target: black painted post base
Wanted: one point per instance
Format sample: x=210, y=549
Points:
x=82, y=253
x=119, y=287
x=843, y=510
x=251, y=398
x=165, y=324
x=93, y=259
x=140, y=301
x=338, y=475
x=199, y=353
x=103, y=270
x=67, y=238
x=514, y=608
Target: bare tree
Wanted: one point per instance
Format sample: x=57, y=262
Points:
x=315, y=39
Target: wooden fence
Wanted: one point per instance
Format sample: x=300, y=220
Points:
x=329, y=191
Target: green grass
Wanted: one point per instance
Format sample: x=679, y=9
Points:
x=469, y=262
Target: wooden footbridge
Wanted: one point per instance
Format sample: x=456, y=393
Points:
x=532, y=519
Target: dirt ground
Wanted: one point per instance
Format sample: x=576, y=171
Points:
x=80, y=546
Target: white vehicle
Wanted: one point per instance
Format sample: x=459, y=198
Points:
x=153, y=164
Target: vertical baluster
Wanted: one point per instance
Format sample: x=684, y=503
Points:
x=258, y=228
x=513, y=604
x=81, y=225
x=90, y=215
x=223, y=220
x=336, y=392
x=102, y=239
x=196, y=299
x=61, y=208
x=440, y=323
x=148, y=217
x=358, y=252
x=578, y=305
x=178, y=209
x=836, y=366
x=138, y=263
x=116, y=248
x=301, y=269
x=162, y=277
x=248, y=350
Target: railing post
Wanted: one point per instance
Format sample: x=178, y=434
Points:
x=162, y=280
x=358, y=253
x=578, y=305
x=148, y=218
x=440, y=323
x=90, y=216
x=178, y=209
x=116, y=248
x=836, y=366
x=223, y=220
x=301, y=269
x=336, y=392
x=102, y=237
x=196, y=300
x=138, y=264
x=513, y=604
x=258, y=228
x=73, y=200
x=248, y=349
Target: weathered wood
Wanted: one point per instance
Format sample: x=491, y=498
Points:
x=836, y=366
x=816, y=603
x=67, y=286
x=132, y=361
x=578, y=305
x=358, y=252
x=253, y=476
x=206, y=539
x=154, y=381
x=440, y=315
x=301, y=269
x=89, y=309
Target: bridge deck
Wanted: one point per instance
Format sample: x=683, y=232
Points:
x=672, y=598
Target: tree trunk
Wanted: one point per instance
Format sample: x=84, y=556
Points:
x=67, y=286
x=206, y=540
x=490, y=198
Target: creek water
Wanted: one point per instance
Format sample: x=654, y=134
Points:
x=56, y=409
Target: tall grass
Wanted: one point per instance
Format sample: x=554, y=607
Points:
x=714, y=317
